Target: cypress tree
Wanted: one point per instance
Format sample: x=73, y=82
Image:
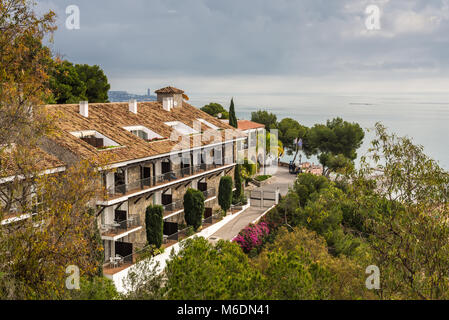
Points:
x=225, y=193
x=194, y=207
x=232, y=117
x=154, y=222
x=238, y=183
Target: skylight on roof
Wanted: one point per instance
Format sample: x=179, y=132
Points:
x=95, y=139
x=210, y=125
x=143, y=132
x=181, y=127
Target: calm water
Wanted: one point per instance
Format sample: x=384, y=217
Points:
x=423, y=117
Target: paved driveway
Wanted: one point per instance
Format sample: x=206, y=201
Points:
x=230, y=230
x=282, y=180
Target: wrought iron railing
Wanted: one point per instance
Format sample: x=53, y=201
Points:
x=167, y=177
x=118, y=227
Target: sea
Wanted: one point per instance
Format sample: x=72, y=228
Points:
x=424, y=117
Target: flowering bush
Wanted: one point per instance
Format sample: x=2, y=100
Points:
x=252, y=237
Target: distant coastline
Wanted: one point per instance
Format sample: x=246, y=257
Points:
x=124, y=96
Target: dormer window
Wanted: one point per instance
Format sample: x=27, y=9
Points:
x=181, y=127
x=96, y=139
x=210, y=125
x=144, y=133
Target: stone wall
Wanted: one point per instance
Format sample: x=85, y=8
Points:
x=139, y=238
x=134, y=174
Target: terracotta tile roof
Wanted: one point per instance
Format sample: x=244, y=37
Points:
x=169, y=90
x=40, y=161
x=248, y=125
x=109, y=120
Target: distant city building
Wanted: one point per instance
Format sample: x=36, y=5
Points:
x=123, y=96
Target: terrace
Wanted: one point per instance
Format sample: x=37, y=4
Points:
x=119, y=263
x=128, y=189
x=120, y=227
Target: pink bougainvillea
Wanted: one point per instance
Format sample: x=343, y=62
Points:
x=252, y=237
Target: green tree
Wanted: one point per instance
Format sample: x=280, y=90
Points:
x=154, y=222
x=95, y=288
x=66, y=84
x=74, y=83
x=266, y=118
x=290, y=131
x=232, y=118
x=203, y=271
x=238, y=193
x=96, y=82
x=333, y=141
x=225, y=193
x=194, y=207
x=308, y=184
x=214, y=109
x=407, y=195
x=297, y=265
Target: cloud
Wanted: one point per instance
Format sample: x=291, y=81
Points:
x=211, y=39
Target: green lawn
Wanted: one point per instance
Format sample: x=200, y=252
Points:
x=262, y=178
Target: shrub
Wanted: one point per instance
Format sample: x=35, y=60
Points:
x=307, y=185
x=194, y=208
x=225, y=193
x=154, y=221
x=252, y=238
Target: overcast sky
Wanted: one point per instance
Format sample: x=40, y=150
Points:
x=275, y=46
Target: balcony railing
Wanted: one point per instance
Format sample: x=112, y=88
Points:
x=118, y=262
x=174, y=206
x=120, y=227
x=167, y=177
x=179, y=204
x=209, y=193
x=212, y=219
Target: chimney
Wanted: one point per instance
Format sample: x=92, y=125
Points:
x=84, y=108
x=167, y=103
x=133, y=106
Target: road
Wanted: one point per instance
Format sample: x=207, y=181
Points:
x=282, y=180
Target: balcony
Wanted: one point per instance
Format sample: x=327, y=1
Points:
x=209, y=193
x=173, y=207
x=178, y=205
x=142, y=184
x=119, y=263
x=119, y=229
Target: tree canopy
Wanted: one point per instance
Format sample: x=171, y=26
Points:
x=214, y=109
x=36, y=250
x=74, y=83
x=335, y=142
x=266, y=118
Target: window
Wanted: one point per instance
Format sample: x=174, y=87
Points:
x=96, y=139
x=140, y=133
x=181, y=127
x=144, y=133
x=210, y=125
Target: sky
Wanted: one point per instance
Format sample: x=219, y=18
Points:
x=260, y=46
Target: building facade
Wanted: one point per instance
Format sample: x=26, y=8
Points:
x=154, y=152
